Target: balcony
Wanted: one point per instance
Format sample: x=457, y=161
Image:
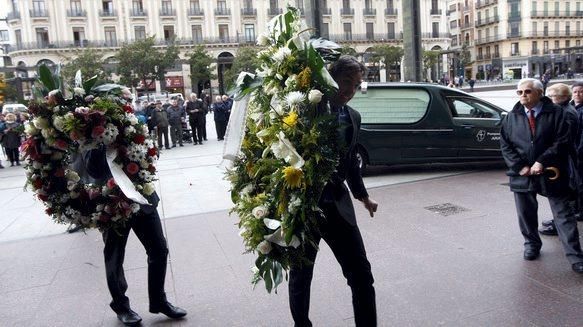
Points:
x=466, y=8
x=490, y=39
x=274, y=11
x=434, y=12
x=534, y=51
x=136, y=12
x=488, y=56
x=249, y=12
x=195, y=12
x=560, y=33
x=435, y=35
x=369, y=12
x=484, y=3
x=555, y=14
x=13, y=15
x=167, y=12
x=391, y=12
x=513, y=34
x=480, y=57
x=326, y=11
x=489, y=20
x=107, y=13
x=76, y=13
x=222, y=12
x=496, y=55
x=514, y=53
x=514, y=16
x=466, y=26
x=347, y=11
x=39, y=13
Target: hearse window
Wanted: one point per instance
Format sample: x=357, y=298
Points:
x=470, y=108
x=391, y=106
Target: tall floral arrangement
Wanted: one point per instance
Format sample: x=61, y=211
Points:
x=62, y=128
x=289, y=148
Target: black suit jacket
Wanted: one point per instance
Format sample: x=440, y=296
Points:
x=335, y=192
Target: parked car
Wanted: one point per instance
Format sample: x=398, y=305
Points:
x=14, y=108
x=425, y=123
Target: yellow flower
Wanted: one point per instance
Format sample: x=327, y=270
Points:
x=305, y=78
x=290, y=120
x=293, y=177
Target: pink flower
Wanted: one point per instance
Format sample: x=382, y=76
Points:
x=132, y=168
x=74, y=135
x=97, y=131
x=111, y=183
x=93, y=193
x=61, y=144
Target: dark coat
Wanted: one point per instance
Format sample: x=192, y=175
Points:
x=191, y=106
x=11, y=136
x=175, y=114
x=160, y=118
x=220, y=111
x=549, y=146
x=335, y=191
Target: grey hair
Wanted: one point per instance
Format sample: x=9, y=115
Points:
x=192, y=95
x=535, y=83
x=561, y=88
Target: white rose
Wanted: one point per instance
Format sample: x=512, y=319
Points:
x=149, y=188
x=54, y=92
x=132, y=119
x=129, y=130
x=30, y=129
x=79, y=91
x=59, y=123
x=135, y=207
x=40, y=123
x=315, y=96
x=264, y=247
x=259, y=212
x=72, y=175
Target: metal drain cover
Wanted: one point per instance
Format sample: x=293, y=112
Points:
x=446, y=209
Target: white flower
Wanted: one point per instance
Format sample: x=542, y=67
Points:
x=135, y=207
x=30, y=129
x=283, y=149
x=149, y=188
x=280, y=55
x=241, y=78
x=291, y=80
x=132, y=118
x=294, y=98
x=264, y=247
x=40, y=123
x=247, y=189
x=294, y=203
x=59, y=123
x=315, y=96
x=262, y=39
x=54, y=92
x=278, y=238
x=129, y=130
x=79, y=91
x=328, y=78
x=72, y=175
x=145, y=130
x=272, y=223
x=259, y=212
x=262, y=134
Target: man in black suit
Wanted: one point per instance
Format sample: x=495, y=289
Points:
x=339, y=229
x=147, y=227
x=534, y=137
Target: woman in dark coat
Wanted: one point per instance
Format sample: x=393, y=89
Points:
x=12, y=139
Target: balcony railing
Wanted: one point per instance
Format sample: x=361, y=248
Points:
x=326, y=11
x=514, y=16
x=76, y=13
x=435, y=12
x=222, y=12
x=274, y=11
x=561, y=33
x=347, y=11
x=435, y=35
x=484, y=3
x=513, y=34
x=248, y=11
x=39, y=13
x=167, y=12
x=534, y=51
x=496, y=55
x=107, y=13
x=195, y=12
x=479, y=57
x=488, y=56
x=514, y=53
x=490, y=39
x=466, y=8
x=555, y=14
x=138, y=13
x=369, y=12
x=391, y=12
x=466, y=26
x=488, y=20
x=13, y=15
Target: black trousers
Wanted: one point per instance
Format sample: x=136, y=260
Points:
x=148, y=229
x=12, y=154
x=221, y=127
x=346, y=244
x=197, y=129
x=565, y=222
x=204, y=126
x=176, y=132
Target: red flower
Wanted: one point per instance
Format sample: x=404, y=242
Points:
x=127, y=108
x=111, y=183
x=139, y=139
x=132, y=168
x=74, y=135
x=152, y=152
x=97, y=131
x=49, y=211
x=151, y=169
x=37, y=183
x=42, y=197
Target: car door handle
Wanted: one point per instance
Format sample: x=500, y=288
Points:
x=467, y=126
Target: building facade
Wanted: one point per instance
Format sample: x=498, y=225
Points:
x=53, y=31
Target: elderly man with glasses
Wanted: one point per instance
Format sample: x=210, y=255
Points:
x=535, y=146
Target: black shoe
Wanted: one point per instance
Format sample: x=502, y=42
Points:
x=200, y=143
x=548, y=222
x=169, y=310
x=549, y=230
x=18, y=163
x=181, y=144
x=12, y=164
x=167, y=148
x=531, y=254
x=205, y=139
x=129, y=317
x=578, y=267
x=173, y=145
x=74, y=228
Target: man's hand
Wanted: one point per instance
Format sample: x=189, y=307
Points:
x=370, y=205
x=536, y=169
x=525, y=171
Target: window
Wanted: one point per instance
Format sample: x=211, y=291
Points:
x=514, y=50
x=370, y=31
x=534, y=28
x=546, y=46
x=557, y=28
x=568, y=8
x=137, y=6
x=470, y=108
x=546, y=8
x=567, y=43
x=496, y=51
x=578, y=27
x=346, y=4
x=533, y=5
x=38, y=6
x=250, y=33
x=515, y=29
x=534, y=47
x=18, y=38
x=224, y=32
x=248, y=4
x=79, y=36
x=488, y=54
x=391, y=29
x=4, y=35
x=567, y=28
x=556, y=8
x=435, y=29
x=140, y=32
x=222, y=5
x=347, y=31
x=110, y=37
x=273, y=4
x=557, y=44
x=197, y=33
x=167, y=7
x=107, y=6
x=390, y=5
x=546, y=29
x=42, y=37
x=168, y=33
x=76, y=7
x=407, y=105
x=325, y=32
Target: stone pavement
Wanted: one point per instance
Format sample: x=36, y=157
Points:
x=463, y=269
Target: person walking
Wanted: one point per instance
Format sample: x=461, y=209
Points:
x=534, y=139
x=176, y=116
x=339, y=229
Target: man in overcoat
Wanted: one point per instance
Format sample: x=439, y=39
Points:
x=535, y=142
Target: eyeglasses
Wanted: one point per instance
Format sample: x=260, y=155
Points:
x=527, y=91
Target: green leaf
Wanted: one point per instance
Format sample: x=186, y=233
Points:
x=46, y=77
x=88, y=84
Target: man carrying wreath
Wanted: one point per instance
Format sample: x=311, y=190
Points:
x=339, y=228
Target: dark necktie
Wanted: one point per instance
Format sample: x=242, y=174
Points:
x=531, y=121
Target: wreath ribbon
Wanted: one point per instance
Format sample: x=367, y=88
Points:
x=122, y=180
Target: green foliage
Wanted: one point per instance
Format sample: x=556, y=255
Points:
x=142, y=60
x=245, y=61
x=200, y=62
x=430, y=59
x=347, y=50
x=89, y=62
x=465, y=57
x=388, y=54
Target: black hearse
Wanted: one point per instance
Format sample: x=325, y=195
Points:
x=409, y=123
